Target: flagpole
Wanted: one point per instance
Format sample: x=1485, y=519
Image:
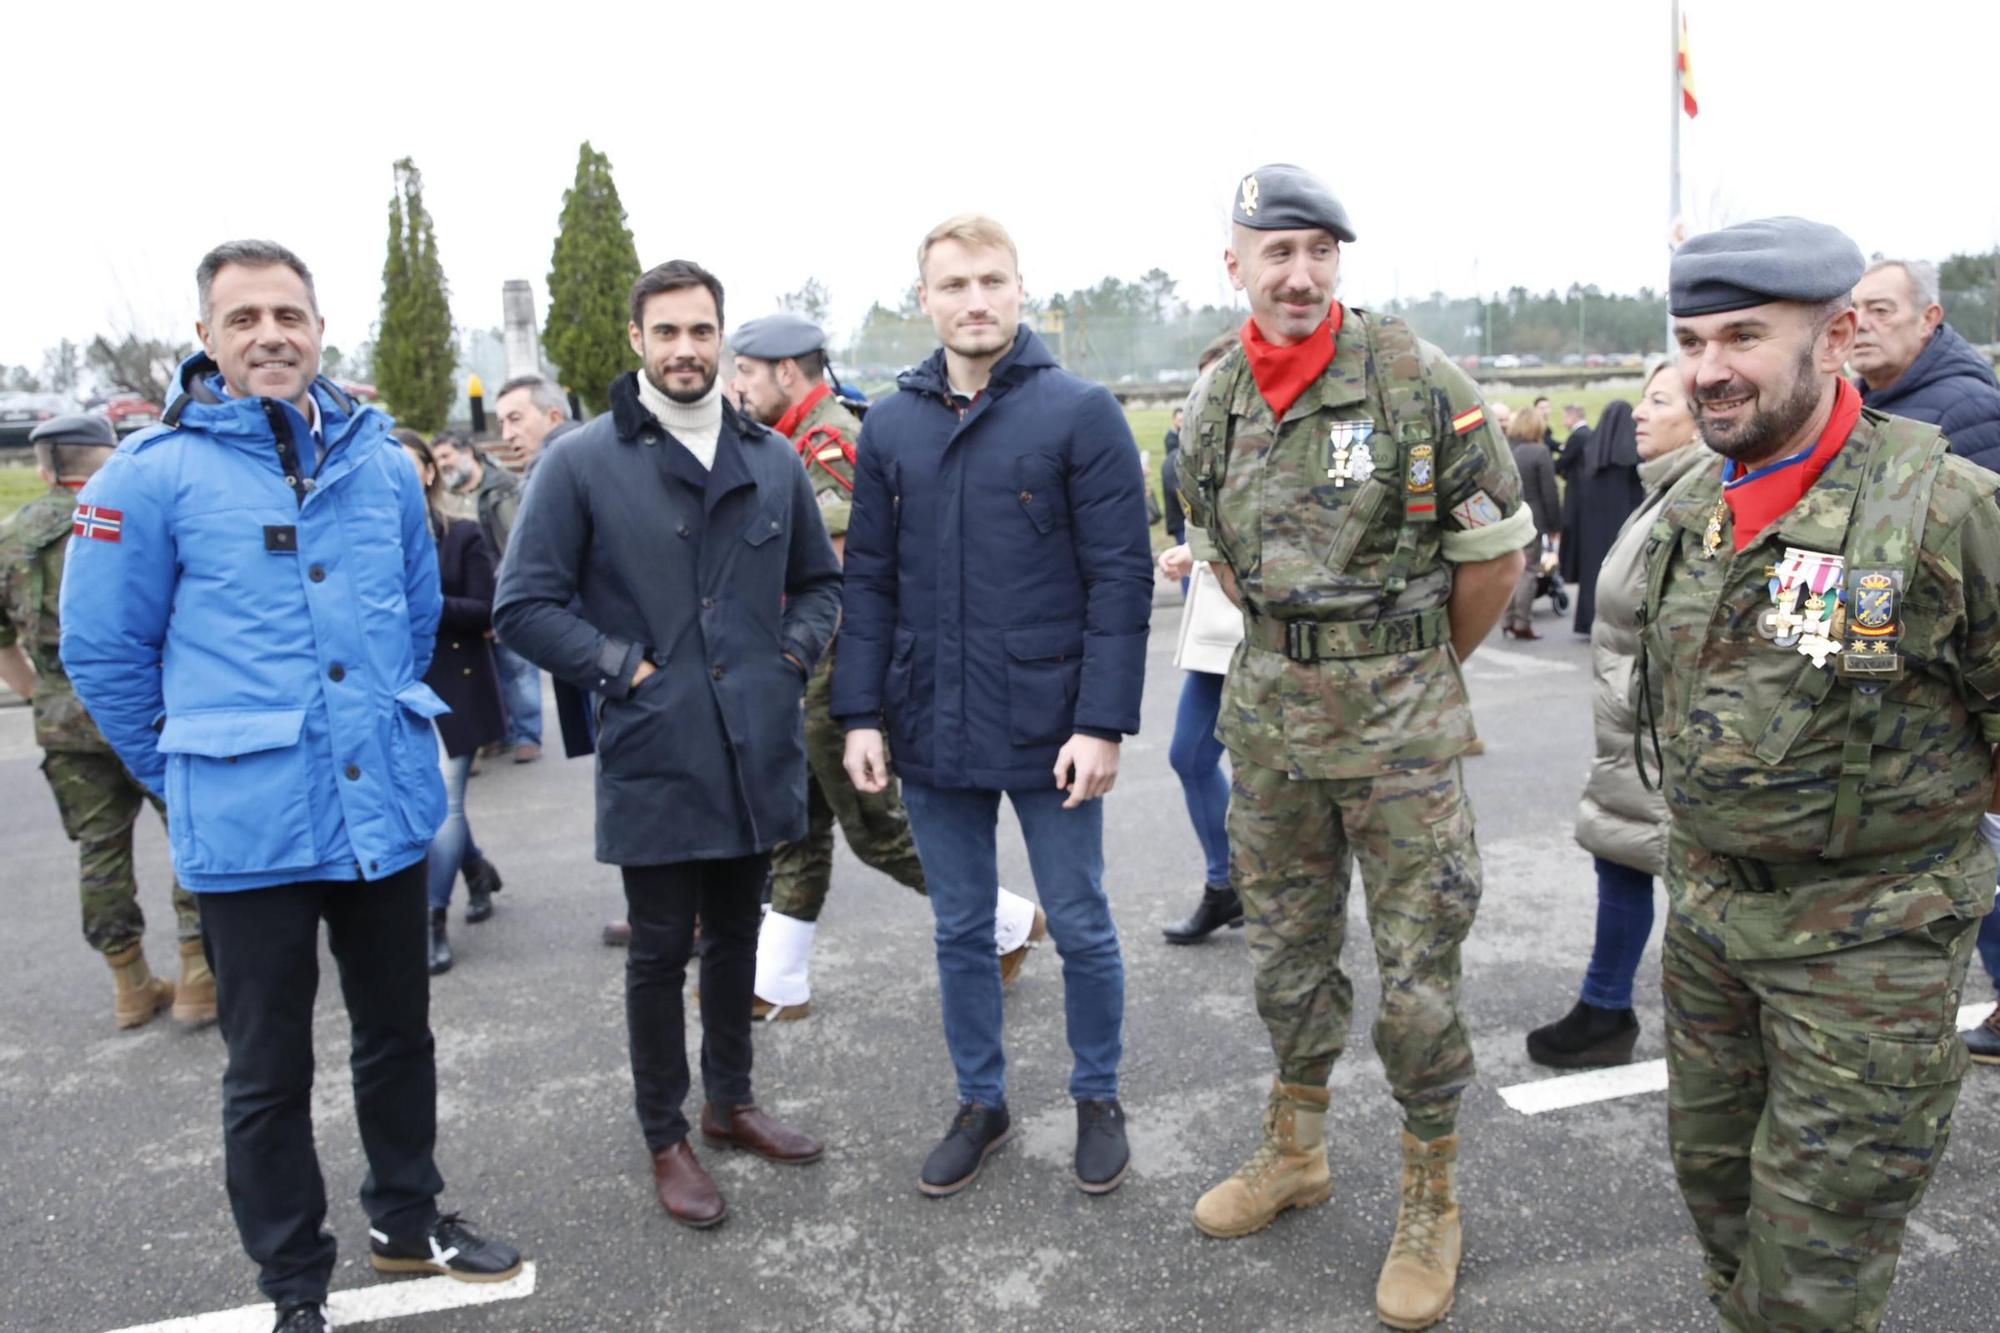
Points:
x=1674, y=149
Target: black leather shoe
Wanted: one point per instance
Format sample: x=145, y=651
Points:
x=440, y=945
x=1217, y=908
x=1587, y=1037
x=450, y=1249
x=302, y=1317
x=482, y=881
x=1101, y=1151
x=975, y=1133
x=1983, y=1042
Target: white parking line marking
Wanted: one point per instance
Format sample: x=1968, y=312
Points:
x=1603, y=1085
x=363, y=1305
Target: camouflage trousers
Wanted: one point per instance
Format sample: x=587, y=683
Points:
x=1292, y=843
x=1809, y=1100
x=874, y=823
x=99, y=802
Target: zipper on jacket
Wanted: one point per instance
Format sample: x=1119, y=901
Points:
x=288, y=452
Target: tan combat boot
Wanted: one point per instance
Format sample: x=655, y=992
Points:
x=1421, y=1272
x=194, y=995
x=1288, y=1170
x=140, y=994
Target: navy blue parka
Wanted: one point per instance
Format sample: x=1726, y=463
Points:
x=999, y=575
x=627, y=547
x=1950, y=385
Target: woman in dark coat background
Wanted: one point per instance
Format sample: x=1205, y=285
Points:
x=463, y=675
x=1602, y=488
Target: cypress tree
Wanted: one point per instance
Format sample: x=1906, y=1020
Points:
x=591, y=273
x=415, y=349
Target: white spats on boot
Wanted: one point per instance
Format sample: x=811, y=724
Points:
x=784, y=959
x=1013, y=919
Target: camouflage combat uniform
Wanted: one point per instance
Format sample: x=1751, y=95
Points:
x=98, y=800
x=877, y=829
x=1824, y=873
x=1344, y=710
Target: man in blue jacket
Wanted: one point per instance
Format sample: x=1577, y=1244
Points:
x=248, y=608
x=998, y=585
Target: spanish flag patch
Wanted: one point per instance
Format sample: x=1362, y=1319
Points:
x=1466, y=420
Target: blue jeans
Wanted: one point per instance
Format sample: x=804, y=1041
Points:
x=1989, y=945
x=1197, y=759
x=453, y=846
x=954, y=827
x=521, y=691
x=1624, y=922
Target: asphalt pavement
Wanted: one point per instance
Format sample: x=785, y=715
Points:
x=112, y=1211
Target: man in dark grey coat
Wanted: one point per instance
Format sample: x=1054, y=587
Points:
x=670, y=559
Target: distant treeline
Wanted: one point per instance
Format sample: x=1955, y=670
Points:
x=1142, y=330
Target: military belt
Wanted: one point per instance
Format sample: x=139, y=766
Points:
x=1750, y=876
x=1310, y=641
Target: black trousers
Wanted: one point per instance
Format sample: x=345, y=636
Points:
x=263, y=945
x=662, y=902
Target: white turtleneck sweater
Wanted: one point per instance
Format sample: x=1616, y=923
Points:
x=694, y=424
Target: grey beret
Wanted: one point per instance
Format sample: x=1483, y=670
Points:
x=1282, y=197
x=775, y=337
x=84, y=428
x=1754, y=263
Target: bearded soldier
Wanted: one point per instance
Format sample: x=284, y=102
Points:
x=1822, y=641
x=1367, y=518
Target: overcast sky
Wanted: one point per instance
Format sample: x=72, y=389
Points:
x=1475, y=145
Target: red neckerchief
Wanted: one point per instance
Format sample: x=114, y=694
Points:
x=68, y=485
x=1759, y=499
x=797, y=412
x=1283, y=373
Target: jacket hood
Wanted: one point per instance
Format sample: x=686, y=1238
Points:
x=1946, y=356
x=1029, y=353
x=199, y=401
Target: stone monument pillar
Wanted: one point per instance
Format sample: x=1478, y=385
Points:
x=523, y=341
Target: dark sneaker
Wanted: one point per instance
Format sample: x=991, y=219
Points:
x=1101, y=1152
x=309, y=1317
x=976, y=1131
x=450, y=1249
x=1587, y=1037
x=1983, y=1042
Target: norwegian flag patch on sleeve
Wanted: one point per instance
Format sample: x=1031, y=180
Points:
x=98, y=523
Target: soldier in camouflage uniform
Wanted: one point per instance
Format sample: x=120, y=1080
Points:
x=780, y=380
x=97, y=798
x=1368, y=519
x=1822, y=648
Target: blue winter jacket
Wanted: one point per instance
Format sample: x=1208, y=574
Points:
x=999, y=577
x=255, y=660
x=1951, y=385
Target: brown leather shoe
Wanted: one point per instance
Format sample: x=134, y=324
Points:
x=685, y=1189
x=748, y=1128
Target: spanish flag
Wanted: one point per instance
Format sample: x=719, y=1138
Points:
x=1687, y=74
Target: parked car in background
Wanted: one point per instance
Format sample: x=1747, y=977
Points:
x=129, y=412
x=20, y=413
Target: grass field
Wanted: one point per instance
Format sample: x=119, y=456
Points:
x=18, y=485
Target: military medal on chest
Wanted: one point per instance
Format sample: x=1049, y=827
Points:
x=1348, y=457
x=1711, y=541
x=1806, y=610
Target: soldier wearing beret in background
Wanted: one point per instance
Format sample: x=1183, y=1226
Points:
x=98, y=799
x=781, y=380
x=1821, y=659
x=1368, y=519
